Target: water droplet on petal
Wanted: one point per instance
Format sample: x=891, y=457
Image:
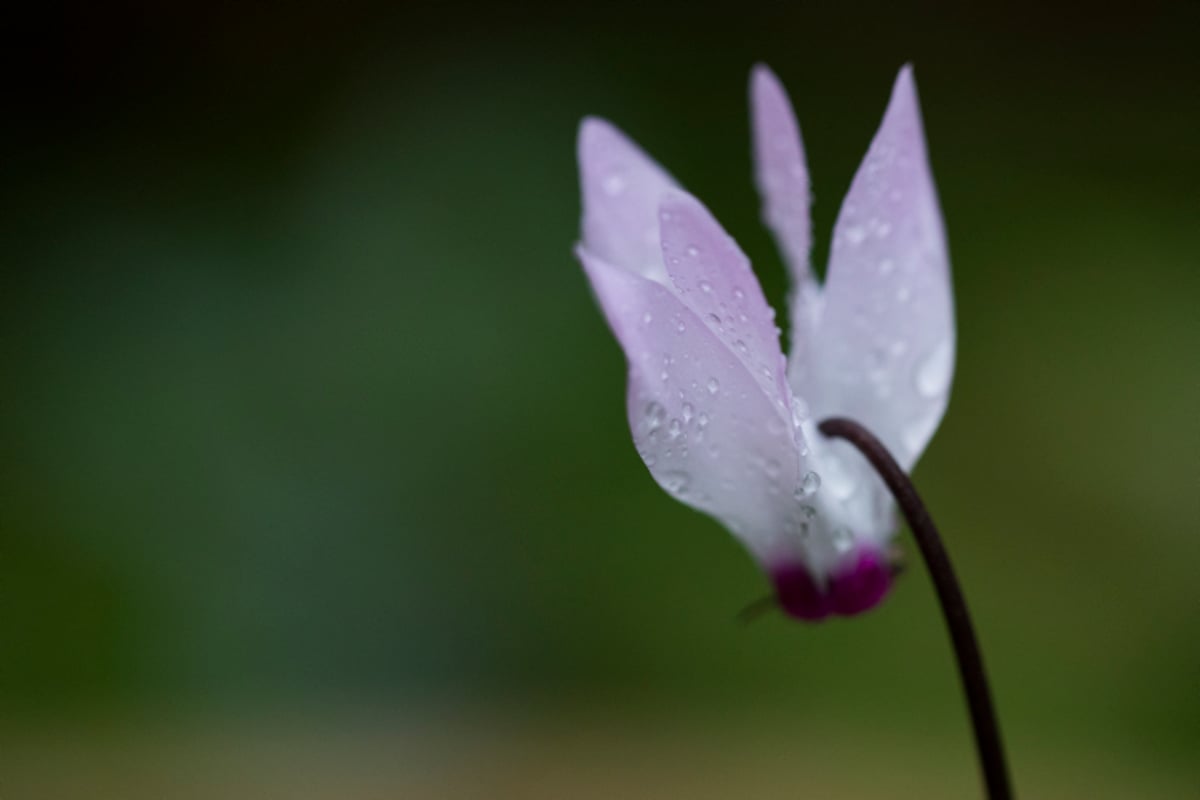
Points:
x=839, y=480
x=855, y=234
x=714, y=386
x=693, y=251
x=799, y=411
x=843, y=539
x=614, y=185
x=676, y=482
x=702, y=420
x=933, y=374
x=675, y=429
x=654, y=414
x=739, y=295
x=680, y=326
x=688, y=412
x=809, y=485
x=706, y=287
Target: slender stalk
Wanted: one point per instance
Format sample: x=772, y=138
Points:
x=954, y=606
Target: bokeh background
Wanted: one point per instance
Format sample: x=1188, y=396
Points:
x=315, y=479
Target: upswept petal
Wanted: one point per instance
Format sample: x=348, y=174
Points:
x=886, y=331
x=782, y=178
x=713, y=278
x=701, y=422
x=780, y=171
x=621, y=191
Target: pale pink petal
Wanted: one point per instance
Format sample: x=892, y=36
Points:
x=621, y=190
x=886, y=332
x=782, y=178
x=712, y=277
x=780, y=171
x=702, y=424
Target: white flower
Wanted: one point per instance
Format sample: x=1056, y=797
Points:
x=723, y=421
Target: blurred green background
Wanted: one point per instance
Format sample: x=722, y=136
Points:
x=314, y=458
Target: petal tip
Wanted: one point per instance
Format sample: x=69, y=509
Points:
x=904, y=90
x=762, y=77
x=593, y=131
x=675, y=200
x=766, y=90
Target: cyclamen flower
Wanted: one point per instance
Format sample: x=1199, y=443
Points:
x=722, y=420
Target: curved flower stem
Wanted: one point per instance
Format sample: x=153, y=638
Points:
x=954, y=606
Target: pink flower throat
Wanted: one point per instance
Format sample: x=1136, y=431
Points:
x=859, y=583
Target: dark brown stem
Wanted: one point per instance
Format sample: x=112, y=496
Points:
x=954, y=606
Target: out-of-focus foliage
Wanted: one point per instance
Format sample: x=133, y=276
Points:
x=305, y=398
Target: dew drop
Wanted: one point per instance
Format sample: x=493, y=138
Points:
x=809, y=485
x=739, y=295
x=680, y=326
x=693, y=251
x=855, y=234
x=702, y=420
x=688, y=412
x=614, y=185
x=842, y=539
x=933, y=374
x=675, y=429
x=706, y=287
x=676, y=482
x=655, y=414
x=839, y=480
x=714, y=386
x=799, y=411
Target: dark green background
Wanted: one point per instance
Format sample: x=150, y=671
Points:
x=304, y=396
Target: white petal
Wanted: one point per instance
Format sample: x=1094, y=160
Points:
x=886, y=330
x=621, y=191
x=701, y=422
x=782, y=178
x=780, y=171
